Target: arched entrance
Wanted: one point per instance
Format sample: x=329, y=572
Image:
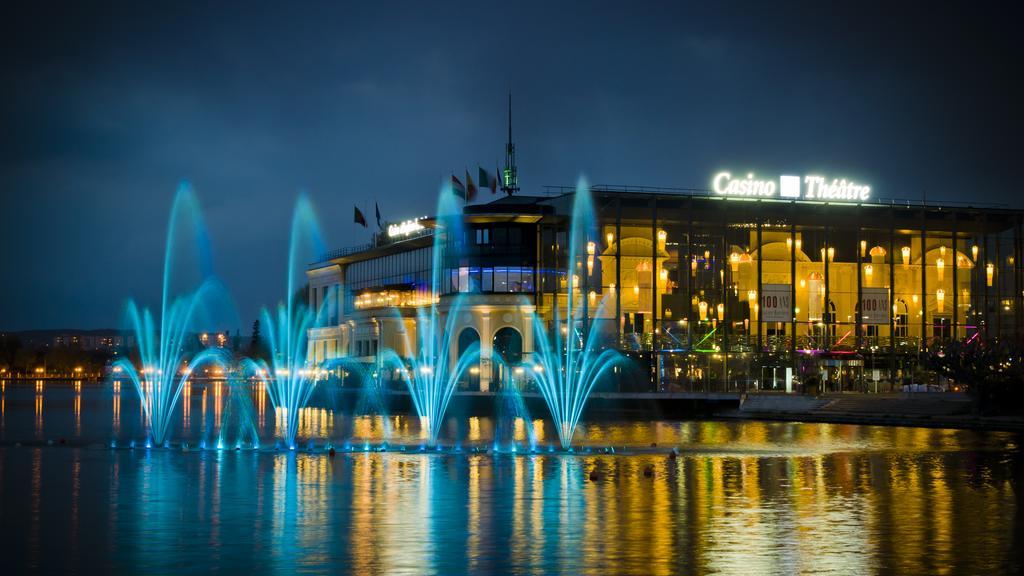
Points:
x=508, y=345
x=470, y=380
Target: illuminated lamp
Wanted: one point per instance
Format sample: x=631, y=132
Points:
x=940, y=268
x=906, y=256
x=940, y=299
x=721, y=312
x=702, y=308
x=990, y=271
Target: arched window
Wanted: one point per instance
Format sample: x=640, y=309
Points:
x=470, y=379
x=508, y=346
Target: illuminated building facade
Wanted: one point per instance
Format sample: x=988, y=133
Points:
x=708, y=292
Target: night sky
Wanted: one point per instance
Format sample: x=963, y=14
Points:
x=105, y=109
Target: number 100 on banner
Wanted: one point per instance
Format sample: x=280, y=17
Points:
x=776, y=302
x=875, y=306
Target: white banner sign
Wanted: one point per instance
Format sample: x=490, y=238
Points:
x=776, y=302
x=875, y=305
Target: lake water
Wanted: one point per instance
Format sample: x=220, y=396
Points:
x=741, y=497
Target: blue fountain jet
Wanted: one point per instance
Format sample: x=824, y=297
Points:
x=426, y=366
x=569, y=359
x=290, y=376
x=165, y=363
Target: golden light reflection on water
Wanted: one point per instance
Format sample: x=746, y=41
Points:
x=39, y=410
x=78, y=407
x=115, y=422
x=741, y=497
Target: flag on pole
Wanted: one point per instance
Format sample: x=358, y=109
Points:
x=457, y=188
x=488, y=180
x=359, y=218
x=377, y=207
x=470, y=188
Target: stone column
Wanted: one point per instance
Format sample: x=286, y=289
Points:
x=486, y=348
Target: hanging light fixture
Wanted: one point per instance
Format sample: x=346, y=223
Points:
x=721, y=312
x=974, y=252
x=940, y=299
x=940, y=268
x=990, y=271
x=906, y=256
x=863, y=248
x=610, y=237
x=702, y=308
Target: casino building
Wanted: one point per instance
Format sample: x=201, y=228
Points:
x=806, y=285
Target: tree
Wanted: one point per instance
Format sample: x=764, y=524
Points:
x=257, y=348
x=991, y=370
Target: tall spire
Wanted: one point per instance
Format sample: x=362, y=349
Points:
x=509, y=178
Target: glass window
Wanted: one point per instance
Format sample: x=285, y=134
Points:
x=500, y=235
x=501, y=279
x=488, y=280
x=527, y=280
x=514, y=283
x=515, y=236
x=463, y=279
x=474, y=279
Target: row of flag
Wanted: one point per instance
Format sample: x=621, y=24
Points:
x=361, y=220
x=467, y=192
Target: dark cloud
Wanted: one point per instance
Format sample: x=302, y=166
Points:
x=105, y=108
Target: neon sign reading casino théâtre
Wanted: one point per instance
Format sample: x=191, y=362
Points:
x=809, y=187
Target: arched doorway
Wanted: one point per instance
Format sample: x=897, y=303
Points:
x=470, y=380
x=508, y=345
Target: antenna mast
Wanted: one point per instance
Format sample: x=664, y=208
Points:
x=509, y=178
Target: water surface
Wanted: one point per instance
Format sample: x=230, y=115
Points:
x=741, y=498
